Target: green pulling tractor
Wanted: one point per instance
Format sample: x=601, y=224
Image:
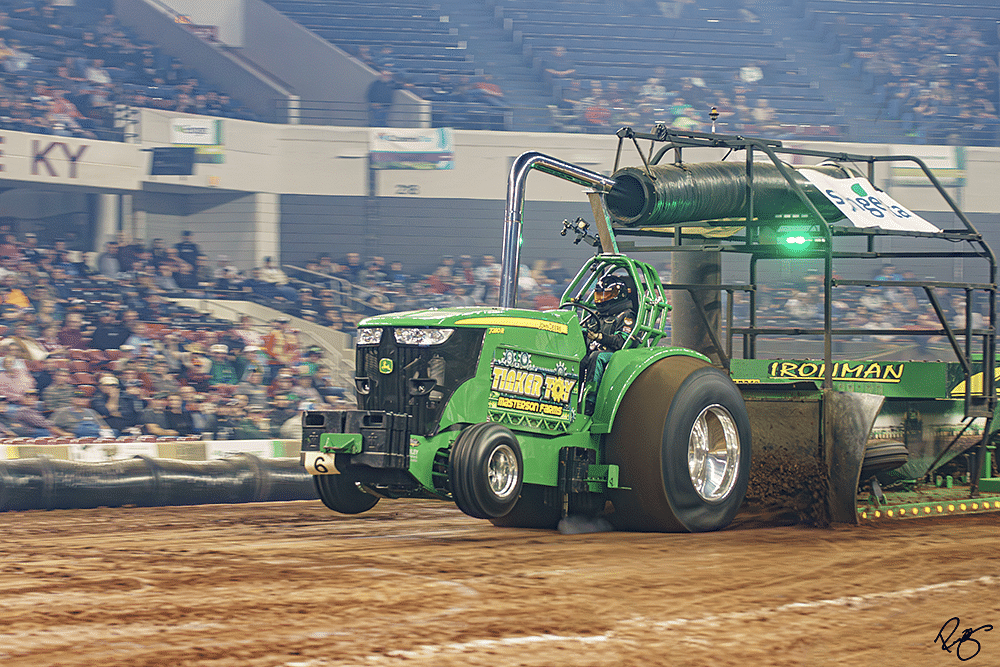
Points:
x=524, y=417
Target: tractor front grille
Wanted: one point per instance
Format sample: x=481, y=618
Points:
x=416, y=380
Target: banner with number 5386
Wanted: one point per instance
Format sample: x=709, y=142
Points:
x=865, y=206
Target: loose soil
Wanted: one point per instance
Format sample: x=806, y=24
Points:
x=418, y=583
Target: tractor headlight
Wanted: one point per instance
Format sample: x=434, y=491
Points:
x=369, y=336
x=422, y=337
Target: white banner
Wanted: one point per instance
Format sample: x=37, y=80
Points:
x=411, y=148
x=865, y=206
x=196, y=131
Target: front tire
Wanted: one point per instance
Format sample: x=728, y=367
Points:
x=681, y=439
x=342, y=494
x=486, y=471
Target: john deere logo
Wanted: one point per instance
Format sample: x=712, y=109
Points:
x=385, y=366
x=858, y=190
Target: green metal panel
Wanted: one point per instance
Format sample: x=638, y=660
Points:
x=892, y=379
x=546, y=343
x=344, y=443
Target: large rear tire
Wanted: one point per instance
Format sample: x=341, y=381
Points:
x=341, y=493
x=486, y=470
x=531, y=510
x=681, y=439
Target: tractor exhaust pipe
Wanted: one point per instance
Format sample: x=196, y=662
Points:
x=514, y=213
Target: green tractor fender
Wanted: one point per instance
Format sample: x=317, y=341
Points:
x=624, y=368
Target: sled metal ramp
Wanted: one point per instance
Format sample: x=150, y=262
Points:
x=808, y=448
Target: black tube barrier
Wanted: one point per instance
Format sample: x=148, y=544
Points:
x=143, y=481
x=672, y=194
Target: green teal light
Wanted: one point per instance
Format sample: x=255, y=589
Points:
x=796, y=240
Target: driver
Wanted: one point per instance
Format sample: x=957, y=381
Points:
x=614, y=301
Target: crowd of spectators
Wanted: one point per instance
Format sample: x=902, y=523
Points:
x=71, y=70
x=681, y=103
x=739, y=94
x=94, y=345
x=68, y=70
x=937, y=76
x=461, y=100
x=798, y=304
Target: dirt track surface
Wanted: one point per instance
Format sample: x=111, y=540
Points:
x=418, y=583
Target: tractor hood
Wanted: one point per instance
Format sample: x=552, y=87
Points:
x=557, y=321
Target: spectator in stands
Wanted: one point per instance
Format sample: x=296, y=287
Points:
x=21, y=341
x=71, y=334
x=30, y=251
x=157, y=252
x=59, y=393
x=250, y=358
x=376, y=300
x=187, y=280
x=78, y=418
x=272, y=274
x=279, y=345
x=284, y=383
x=282, y=409
x=254, y=424
x=353, y=267
x=225, y=274
x=253, y=389
x=15, y=380
x=25, y=420
x=750, y=74
x=222, y=370
x=559, y=65
x=164, y=279
x=96, y=73
x=153, y=419
x=246, y=334
x=138, y=333
x=305, y=391
x=765, y=118
x=187, y=249
x=803, y=307
x=129, y=252
x=311, y=364
x=364, y=54
x=653, y=91
x=688, y=121
x=110, y=333
x=203, y=416
x=379, y=96
x=160, y=379
x=203, y=273
x=107, y=261
x=178, y=418
x=333, y=319
x=196, y=368
x=65, y=119
x=116, y=408
x=11, y=294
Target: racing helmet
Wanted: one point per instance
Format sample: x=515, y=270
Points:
x=610, y=290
